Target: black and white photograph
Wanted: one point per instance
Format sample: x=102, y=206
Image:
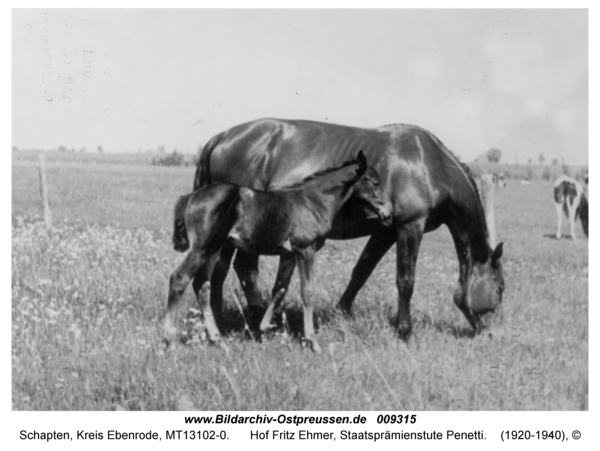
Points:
x=300, y=210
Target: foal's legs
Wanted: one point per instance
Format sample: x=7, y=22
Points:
x=246, y=267
x=202, y=289
x=305, y=260
x=407, y=249
x=376, y=248
x=177, y=284
x=216, y=282
x=287, y=264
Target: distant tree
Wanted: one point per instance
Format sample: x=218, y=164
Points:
x=15, y=149
x=530, y=161
x=566, y=170
x=542, y=158
x=173, y=159
x=494, y=155
x=161, y=149
x=554, y=161
x=62, y=149
x=83, y=150
x=100, y=149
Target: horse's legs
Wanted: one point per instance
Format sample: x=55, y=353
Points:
x=376, y=248
x=305, y=260
x=246, y=268
x=287, y=264
x=178, y=282
x=216, y=282
x=461, y=243
x=407, y=249
x=559, y=215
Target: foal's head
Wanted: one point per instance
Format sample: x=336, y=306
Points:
x=364, y=187
x=367, y=190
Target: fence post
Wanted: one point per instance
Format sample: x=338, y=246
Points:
x=44, y=192
x=487, y=198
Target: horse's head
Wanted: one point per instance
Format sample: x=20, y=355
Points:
x=366, y=189
x=487, y=284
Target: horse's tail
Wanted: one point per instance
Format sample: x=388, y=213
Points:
x=203, y=177
x=181, y=242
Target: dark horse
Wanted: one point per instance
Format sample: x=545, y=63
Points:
x=291, y=222
x=424, y=181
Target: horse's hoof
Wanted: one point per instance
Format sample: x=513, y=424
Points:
x=169, y=338
x=314, y=346
x=346, y=310
x=404, y=332
x=254, y=316
x=222, y=346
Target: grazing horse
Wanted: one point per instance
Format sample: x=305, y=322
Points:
x=570, y=198
x=423, y=180
x=292, y=222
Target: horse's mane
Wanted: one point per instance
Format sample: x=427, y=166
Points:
x=316, y=175
x=483, y=248
x=465, y=167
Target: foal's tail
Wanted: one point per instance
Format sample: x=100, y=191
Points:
x=180, y=236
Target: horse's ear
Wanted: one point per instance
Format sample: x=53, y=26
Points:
x=362, y=164
x=497, y=254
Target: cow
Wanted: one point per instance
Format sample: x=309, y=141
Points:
x=499, y=179
x=570, y=198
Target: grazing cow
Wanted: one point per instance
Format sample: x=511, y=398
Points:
x=570, y=198
x=291, y=222
x=425, y=182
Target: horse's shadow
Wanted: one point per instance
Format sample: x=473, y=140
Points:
x=425, y=321
x=291, y=321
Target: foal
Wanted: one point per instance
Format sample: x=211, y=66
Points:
x=291, y=222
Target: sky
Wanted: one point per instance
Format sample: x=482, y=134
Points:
x=131, y=80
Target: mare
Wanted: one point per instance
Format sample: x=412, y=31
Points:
x=426, y=184
x=292, y=222
x=570, y=198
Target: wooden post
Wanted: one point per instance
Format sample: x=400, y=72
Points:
x=487, y=198
x=44, y=193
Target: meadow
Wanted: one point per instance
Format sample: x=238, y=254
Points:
x=88, y=300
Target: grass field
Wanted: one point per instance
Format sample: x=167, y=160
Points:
x=88, y=299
